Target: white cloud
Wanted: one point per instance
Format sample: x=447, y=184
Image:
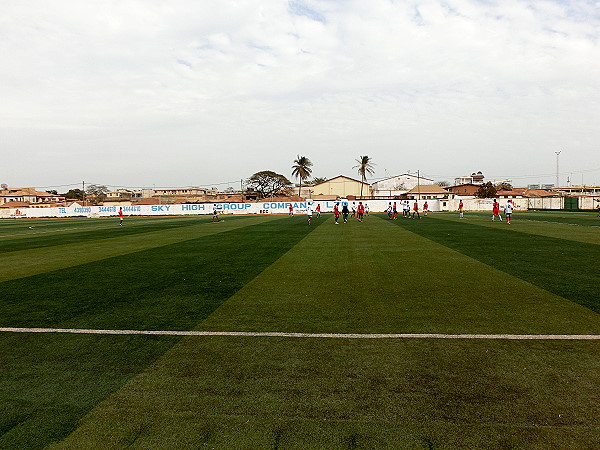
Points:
x=187, y=92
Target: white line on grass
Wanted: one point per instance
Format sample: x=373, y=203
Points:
x=572, y=337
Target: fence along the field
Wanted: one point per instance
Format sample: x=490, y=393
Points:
x=260, y=207
x=272, y=207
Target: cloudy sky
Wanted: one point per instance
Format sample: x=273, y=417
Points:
x=207, y=92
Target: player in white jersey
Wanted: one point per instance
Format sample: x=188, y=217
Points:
x=309, y=211
x=508, y=209
x=405, y=209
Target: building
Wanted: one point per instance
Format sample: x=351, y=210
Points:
x=15, y=204
x=166, y=195
x=474, y=178
x=191, y=192
x=464, y=190
x=428, y=192
x=304, y=191
x=341, y=187
x=398, y=185
x=525, y=193
x=122, y=195
x=577, y=190
x=31, y=196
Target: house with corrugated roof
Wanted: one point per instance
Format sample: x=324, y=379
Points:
x=398, y=185
x=341, y=187
x=31, y=196
x=428, y=192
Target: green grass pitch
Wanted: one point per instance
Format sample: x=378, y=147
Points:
x=440, y=274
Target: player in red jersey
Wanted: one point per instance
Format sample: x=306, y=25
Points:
x=361, y=211
x=291, y=213
x=336, y=213
x=496, y=210
x=416, y=210
x=318, y=210
x=425, y=208
x=120, y=217
x=460, y=209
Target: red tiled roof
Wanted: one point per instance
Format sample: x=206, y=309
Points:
x=15, y=194
x=13, y=204
x=538, y=193
x=28, y=194
x=505, y=192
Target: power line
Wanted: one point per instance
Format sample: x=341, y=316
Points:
x=171, y=187
x=59, y=185
x=236, y=182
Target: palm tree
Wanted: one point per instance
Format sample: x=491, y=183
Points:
x=364, y=166
x=301, y=169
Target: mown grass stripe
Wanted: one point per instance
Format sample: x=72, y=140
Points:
x=526, y=222
x=223, y=392
x=585, y=219
x=373, y=277
x=561, y=266
x=376, y=277
x=279, y=334
x=166, y=287
x=20, y=264
x=49, y=381
x=39, y=236
x=559, y=223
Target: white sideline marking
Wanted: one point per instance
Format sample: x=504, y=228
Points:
x=572, y=337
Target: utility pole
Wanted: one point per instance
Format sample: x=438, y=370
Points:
x=83, y=192
x=557, y=153
x=419, y=184
x=242, y=189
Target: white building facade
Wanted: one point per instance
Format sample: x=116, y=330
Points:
x=398, y=185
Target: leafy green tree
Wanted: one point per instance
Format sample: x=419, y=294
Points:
x=442, y=183
x=74, y=193
x=486, y=190
x=267, y=183
x=364, y=166
x=96, y=193
x=301, y=169
x=504, y=186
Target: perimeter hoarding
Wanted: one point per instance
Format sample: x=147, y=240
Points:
x=178, y=209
